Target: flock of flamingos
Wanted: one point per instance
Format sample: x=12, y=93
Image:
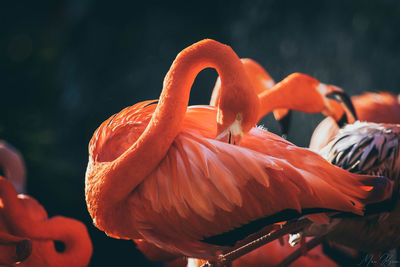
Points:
x=205, y=186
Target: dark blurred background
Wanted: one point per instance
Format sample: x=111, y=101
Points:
x=66, y=66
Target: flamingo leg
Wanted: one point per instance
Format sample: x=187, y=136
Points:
x=256, y=242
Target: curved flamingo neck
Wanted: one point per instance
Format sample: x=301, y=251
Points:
x=294, y=92
x=146, y=153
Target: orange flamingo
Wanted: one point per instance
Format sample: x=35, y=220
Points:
x=22, y=216
x=382, y=107
x=156, y=171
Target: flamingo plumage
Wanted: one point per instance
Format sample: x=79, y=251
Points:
x=24, y=218
x=368, y=148
x=157, y=172
x=273, y=253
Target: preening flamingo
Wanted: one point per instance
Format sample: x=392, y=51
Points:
x=23, y=217
x=382, y=107
x=156, y=172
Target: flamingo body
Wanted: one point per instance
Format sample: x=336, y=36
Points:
x=204, y=187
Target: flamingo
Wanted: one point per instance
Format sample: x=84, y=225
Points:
x=156, y=170
x=13, y=249
x=26, y=221
x=369, y=148
x=382, y=107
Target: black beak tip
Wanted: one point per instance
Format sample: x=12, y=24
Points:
x=284, y=123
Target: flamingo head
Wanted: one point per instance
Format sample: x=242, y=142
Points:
x=306, y=94
x=237, y=114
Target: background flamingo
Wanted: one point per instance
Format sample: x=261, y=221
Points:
x=356, y=141
x=132, y=153
x=365, y=147
x=22, y=216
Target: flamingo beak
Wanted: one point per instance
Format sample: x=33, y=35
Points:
x=284, y=118
x=232, y=134
x=341, y=96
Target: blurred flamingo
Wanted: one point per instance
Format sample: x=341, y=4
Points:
x=23, y=217
x=156, y=172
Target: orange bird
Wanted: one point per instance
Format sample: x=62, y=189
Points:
x=23, y=218
x=382, y=107
x=157, y=172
